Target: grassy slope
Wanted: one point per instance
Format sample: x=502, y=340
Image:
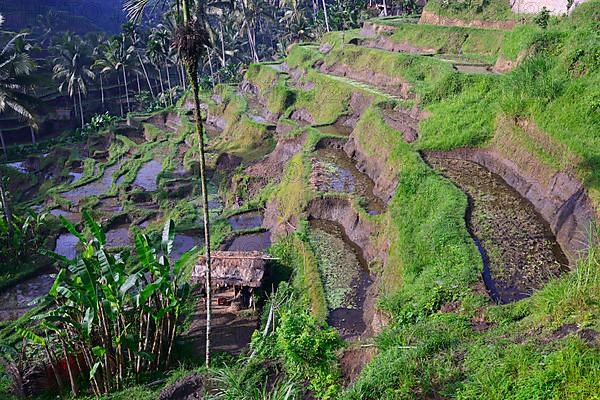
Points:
x=485, y=10
x=519, y=356
x=557, y=88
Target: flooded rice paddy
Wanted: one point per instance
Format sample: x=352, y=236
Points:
x=344, y=274
x=248, y=220
x=519, y=250
x=146, y=176
x=259, y=241
x=16, y=300
x=335, y=172
x=95, y=188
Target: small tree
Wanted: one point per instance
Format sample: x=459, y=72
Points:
x=543, y=18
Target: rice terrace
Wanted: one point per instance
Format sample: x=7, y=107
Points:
x=278, y=200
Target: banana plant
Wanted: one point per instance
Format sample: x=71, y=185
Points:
x=112, y=316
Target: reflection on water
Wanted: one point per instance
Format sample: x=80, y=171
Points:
x=15, y=301
x=344, y=274
x=66, y=245
x=251, y=242
x=76, y=176
x=146, y=176
x=185, y=242
x=335, y=129
x=95, y=188
x=19, y=166
x=519, y=250
x=335, y=172
x=248, y=220
x=69, y=216
x=118, y=237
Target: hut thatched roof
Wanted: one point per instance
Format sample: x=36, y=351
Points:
x=241, y=268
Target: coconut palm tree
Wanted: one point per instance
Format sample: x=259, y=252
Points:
x=15, y=68
x=72, y=69
x=191, y=40
x=107, y=62
x=126, y=59
x=158, y=53
x=130, y=32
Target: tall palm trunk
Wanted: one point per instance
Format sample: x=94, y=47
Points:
x=5, y=204
x=169, y=82
x=160, y=79
x=212, y=72
x=102, y=92
x=80, y=106
x=192, y=70
x=3, y=144
x=192, y=75
x=120, y=94
x=183, y=77
x=137, y=77
x=146, y=75
x=252, y=42
x=223, y=62
x=326, y=16
x=32, y=131
x=126, y=89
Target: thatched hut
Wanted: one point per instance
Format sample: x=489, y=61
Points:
x=236, y=273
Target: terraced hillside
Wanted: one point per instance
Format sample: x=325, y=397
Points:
x=428, y=193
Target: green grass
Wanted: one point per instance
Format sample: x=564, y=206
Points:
x=420, y=72
x=555, y=90
x=272, y=87
x=297, y=254
x=463, y=120
x=482, y=43
x=486, y=10
x=245, y=138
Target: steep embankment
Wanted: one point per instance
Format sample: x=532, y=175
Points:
x=443, y=332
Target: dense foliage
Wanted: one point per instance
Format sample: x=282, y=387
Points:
x=110, y=317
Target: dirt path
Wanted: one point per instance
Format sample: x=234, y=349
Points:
x=231, y=329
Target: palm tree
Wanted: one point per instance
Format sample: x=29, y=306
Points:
x=107, y=61
x=72, y=69
x=125, y=57
x=129, y=30
x=158, y=52
x=97, y=54
x=15, y=68
x=191, y=41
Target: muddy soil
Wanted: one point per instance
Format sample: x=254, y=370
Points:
x=270, y=168
x=345, y=277
x=231, y=329
x=353, y=361
x=333, y=171
x=517, y=244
